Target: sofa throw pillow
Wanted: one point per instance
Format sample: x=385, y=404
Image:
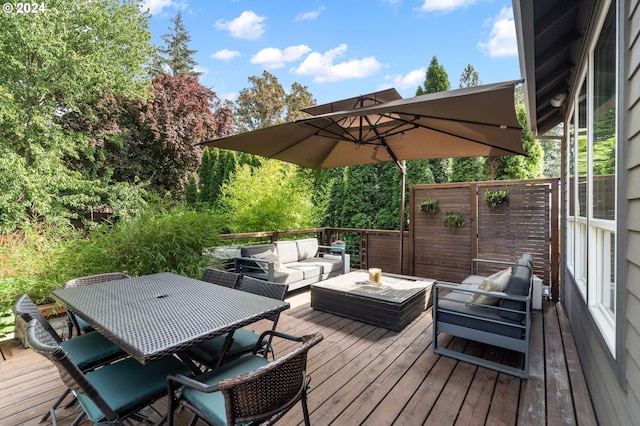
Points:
x=495, y=282
x=269, y=255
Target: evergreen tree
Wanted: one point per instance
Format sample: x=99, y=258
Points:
x=359, y=204
x=468, y=169
x=175, y=57
x=437, y=80
x=518, y=166
x=205, y=173
x=191, y=191
x=470, y=77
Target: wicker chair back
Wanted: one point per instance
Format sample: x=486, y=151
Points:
x=25, y=310
x=223, y=278
x=70, y=374
x=95, y=279
x=266, y=289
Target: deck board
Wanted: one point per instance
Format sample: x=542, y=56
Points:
x=363, y=374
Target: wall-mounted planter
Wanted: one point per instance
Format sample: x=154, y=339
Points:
x=430, y=205
x=496, y=198
x=452, y=220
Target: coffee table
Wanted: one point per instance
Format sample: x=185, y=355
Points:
x=393, y=304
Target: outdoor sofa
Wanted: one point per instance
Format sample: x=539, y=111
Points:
x=298, y=263
x=495, y=310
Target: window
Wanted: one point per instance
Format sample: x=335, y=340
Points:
x=591, y=178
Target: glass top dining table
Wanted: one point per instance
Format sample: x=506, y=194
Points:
x=152, y=316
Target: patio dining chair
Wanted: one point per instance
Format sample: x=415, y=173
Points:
x=114, y=392
x=87, y=352
x=79, y=324
x=223, y=278
x=210, y=351
x=249, y=390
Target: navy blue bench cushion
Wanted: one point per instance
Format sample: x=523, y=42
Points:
x=519, y=286
x=525, y=260
x=454, y=309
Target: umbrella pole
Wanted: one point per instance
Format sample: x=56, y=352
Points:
x=403, y=178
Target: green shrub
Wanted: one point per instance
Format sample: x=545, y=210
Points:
x=158, y=241
x=42, y=259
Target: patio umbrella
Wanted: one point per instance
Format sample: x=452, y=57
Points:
x=468, y=122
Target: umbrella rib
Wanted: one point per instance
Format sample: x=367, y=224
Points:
x=416, y=116
x=413, y=122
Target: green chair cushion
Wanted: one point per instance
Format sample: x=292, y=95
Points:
x=89, y=350
x=84, y=326
x=212, y=404
x=128, y=385
x=209, y=351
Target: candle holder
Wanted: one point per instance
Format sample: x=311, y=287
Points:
x=375, y=275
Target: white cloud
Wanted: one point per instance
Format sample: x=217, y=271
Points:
x=414, y=78
x=444, y=6
x=202, y=70
x=228, y=96
x=310, y=16
x=225, y=54
x=248, y=26
x=272, y=58
x=156, y=6
x=502, y=39
x=323, y=70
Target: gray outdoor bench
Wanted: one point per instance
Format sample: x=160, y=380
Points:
x=502, y=319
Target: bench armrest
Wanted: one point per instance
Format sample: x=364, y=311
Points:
x=244, y=265
x=476, y=265
x=331, y=251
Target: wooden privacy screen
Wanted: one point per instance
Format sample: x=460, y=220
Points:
x=527, y=223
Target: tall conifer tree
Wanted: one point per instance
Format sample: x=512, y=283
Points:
x=175, y=57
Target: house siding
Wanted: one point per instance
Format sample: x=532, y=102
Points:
x=614, y=384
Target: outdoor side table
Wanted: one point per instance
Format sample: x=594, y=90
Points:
x=153, y=316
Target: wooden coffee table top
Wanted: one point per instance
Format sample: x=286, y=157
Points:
x=393, y=288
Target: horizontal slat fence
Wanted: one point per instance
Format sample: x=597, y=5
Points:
x=524, y=224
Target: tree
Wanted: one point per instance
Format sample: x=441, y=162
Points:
x=470, y=77
x=467, y=169
x=518, y=166
x=437, y=80
x=56, y=63
x=175, y=56
x=161, y=146
x=360, y=197
x=266, y=103
x=272, y=196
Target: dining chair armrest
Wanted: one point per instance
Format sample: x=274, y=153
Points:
x=189, y=382
x=272, y=333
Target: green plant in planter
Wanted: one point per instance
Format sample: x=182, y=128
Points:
x=452, y=220
x=495, y=198
x=430, y=205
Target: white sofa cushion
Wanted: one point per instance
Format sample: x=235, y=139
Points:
x=287, y=252
x=307, y=248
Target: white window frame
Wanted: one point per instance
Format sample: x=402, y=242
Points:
x=588, y=238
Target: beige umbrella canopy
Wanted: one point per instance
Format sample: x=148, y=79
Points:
x=469, y=122
x=360, y=101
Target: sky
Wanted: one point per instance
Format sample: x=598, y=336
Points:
x=342, y=48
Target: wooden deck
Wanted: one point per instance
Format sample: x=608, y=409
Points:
x=362, y=374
